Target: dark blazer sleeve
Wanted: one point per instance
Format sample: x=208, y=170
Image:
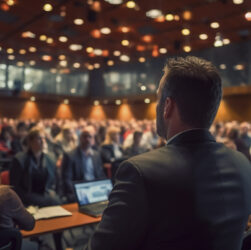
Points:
x=124, y=222
x=67, y=175
x=16, y=173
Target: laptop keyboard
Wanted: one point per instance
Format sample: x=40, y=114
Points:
x=95, y=209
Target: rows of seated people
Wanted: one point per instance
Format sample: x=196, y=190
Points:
x=47, y=156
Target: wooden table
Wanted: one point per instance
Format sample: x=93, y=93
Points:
x=59, y=224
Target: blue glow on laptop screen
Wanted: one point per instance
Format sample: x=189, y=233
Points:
x=91, y=192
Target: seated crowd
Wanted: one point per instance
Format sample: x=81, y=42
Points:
x=47, y=156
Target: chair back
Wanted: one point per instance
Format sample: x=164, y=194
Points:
x=5, y=177
x=10, y=239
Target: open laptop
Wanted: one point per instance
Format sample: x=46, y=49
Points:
x=92, y=196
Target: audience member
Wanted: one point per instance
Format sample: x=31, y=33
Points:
x=33, y=173
x=82, y=163
x=18, y=142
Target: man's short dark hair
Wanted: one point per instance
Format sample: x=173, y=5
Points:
x=195, y=85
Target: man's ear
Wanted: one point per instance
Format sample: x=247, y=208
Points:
x=168, y=108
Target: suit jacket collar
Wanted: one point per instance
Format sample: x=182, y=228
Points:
x=191, y=136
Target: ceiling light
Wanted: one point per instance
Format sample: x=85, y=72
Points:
x=96, y=33
x=11, y=57
x=218, y=43
x=147, y=100
x=223, y=66
x=176, y=17
x=49, y=40
x=47, y=7
x=185, y=32
x=42, y=37
x=61, y=57
x=89, y=49
x=90, y=67
x=105, y=53
x=78, y=21
x=147, y=38
x=162, y=50
x=239, y=67
x=142, y=59
x=63, y=63
x=110, y=63
x=66, y=101
x=105, y=30
x=125, y=42
x=214, y=25
x=46, y=58
x=96, y=103
x=10, y=51
x=73, y=91
x=143, y=88
x=96, y=65
x=130, y=4
x=28, y=34
x=203, y=36
x=118, y=102
x=160, y=19
x=33, y=98
x=116, y=53
x=76, y=65
x=154, y=13
x=140, y=48
x=187, y=48
x=125, y=29
x=53, y=70
x=4, y=7
x=32, y=62
x=169, y=17
x=238, y=1
x=187, y=15
x=114, y=1
x=22, y=51
x=97, y=52
x=248, y=16
x=10, y=2
x=20, y=64
x=75, y=47
x=32, y=49
x=226, y=41
x=63, y=39
x=124, y=58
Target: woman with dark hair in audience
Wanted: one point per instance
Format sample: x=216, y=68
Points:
x=33, y=173
x=5, y=140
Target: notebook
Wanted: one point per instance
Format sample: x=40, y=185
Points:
x=92, y=196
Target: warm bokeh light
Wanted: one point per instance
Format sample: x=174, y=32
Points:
x=105, y=53
x=125, y=29
x=97, y=113
x=130, y=4
x=169, y=17
x=187, y=15
x=147, y=38
x=64, y=112
x=49, y=40
x=214, y=25
x=89, y=49
x=61, y=57
x=76, y=65
x=110, y=63
x=187, y=48
x=116, y=53
x=32, y=49
x=43, y=38
x=63, y=39
x=10, y=51
x=125, y=42
x=22, y=51
x=46, y=58
x=124, y=113
x=96, y=33
x=160, y=19
x=248, y=16
x=11, y=57
x=185, y=32
x=47, y=7
x=162, y=50
x=78, y=21
x=142, y=59
x=203, y=36
x=30, y=111
x=238, y=1
x=105, y=30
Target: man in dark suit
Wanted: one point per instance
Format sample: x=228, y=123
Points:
x=83, y=163
x=192, y=193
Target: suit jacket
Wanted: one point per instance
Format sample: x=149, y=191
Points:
x=107, y=153
x=21, y=177
x=72, y=170
x=192, y=194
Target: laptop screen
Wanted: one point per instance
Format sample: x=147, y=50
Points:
x=93, y=191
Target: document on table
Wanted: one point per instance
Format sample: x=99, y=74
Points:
x=48, y=212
